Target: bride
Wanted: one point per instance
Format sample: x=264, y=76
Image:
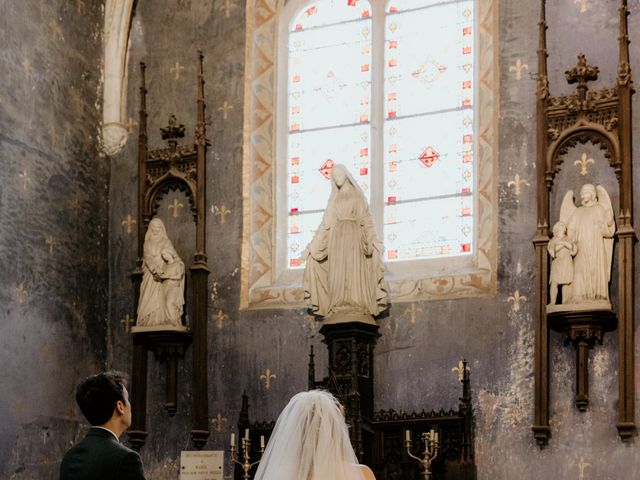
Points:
x=310, y=442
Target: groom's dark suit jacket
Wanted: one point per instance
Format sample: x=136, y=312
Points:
x=100, y=457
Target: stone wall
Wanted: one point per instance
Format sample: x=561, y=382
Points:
x=421, y=342
x=54, y=235
x=53, y=328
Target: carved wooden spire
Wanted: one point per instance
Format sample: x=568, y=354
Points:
x=624, y=68
x=626, y=239
x=543, y=81
x=540, y=427
x=201, y=145
x=581, y=74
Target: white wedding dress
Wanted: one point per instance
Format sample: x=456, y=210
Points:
x=310, y=441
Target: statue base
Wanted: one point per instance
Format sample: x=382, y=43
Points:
x=348, y=317
x=160, y=328
x=579, y=307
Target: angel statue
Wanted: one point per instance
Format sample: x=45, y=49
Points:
x=590, y=227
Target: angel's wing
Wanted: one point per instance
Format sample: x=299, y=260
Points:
x=605, y=201
x=567, y=208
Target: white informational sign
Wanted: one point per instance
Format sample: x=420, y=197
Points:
x=202, y=465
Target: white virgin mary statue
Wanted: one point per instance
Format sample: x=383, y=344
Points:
x=161, y=299
x=591, y=227
x=344, y=275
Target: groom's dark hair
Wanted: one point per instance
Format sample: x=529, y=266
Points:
x=97, y=395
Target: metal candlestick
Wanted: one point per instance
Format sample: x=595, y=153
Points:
x=431, y=450
x=246, y=460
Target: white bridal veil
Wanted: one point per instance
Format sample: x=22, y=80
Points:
x=310, y=442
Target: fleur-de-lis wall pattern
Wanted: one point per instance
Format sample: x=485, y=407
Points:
x=518, y=67
x=583, y=162
x=584, y=5
x=50, y=240
x=56, y=31
x=582, y=466
x=177, y=68
x=226, y=7
x=516, y=298
x=130, y=124
x=225, y=109
x=127, y=322
x=75, y=207
x=267, y=377
x=26, y=179
x=220, y=317
x=27, y=66
x=218, y=421
x=127, y=223
x=22, y=293
x=460, y=369
x=222, y=212
x=176, y=206
x=517, y=182
x=412, y=311
x=53, y=135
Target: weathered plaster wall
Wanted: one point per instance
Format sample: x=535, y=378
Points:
x=421, y=342
x=54, y=238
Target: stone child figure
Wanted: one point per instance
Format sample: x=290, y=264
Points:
x=157, y=271
x=591, y=227
x=343, y=275
x=561, y=251
x=172, y=277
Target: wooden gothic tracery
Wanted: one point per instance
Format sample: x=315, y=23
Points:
x=160, y=171
x=603, y=118
x=379, y=437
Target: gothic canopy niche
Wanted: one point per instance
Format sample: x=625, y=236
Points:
x=160, y=171
x=600, y=120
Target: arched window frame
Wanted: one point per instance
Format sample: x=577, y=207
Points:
x=266, y=280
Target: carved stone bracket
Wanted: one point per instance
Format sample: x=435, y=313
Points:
x=168, y=347
x=582, y=329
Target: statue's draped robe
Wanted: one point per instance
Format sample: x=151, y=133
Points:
x=173, y=288
x=344, y=271
x=588, y=227
x=151, y=306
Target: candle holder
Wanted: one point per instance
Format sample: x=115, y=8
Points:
x=431, y=450
x=245, y=463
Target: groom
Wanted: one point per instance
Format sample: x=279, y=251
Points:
x=104, y=401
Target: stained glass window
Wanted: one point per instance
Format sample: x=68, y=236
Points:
x=329, y=96
x=428, y=129
x=425, y=196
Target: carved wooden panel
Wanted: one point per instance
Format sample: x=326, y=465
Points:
x=602, y=118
